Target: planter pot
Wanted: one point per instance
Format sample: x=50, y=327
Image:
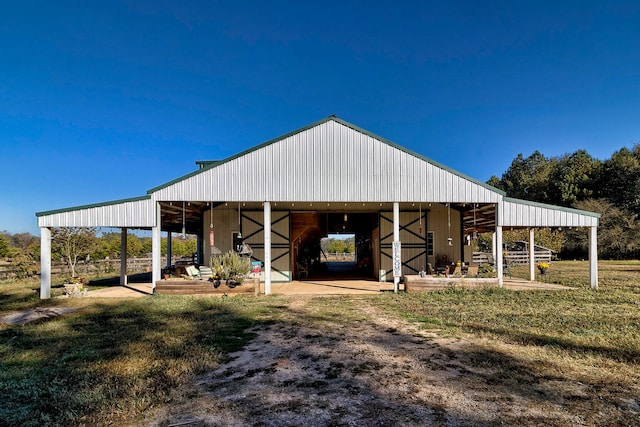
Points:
x=74, y=289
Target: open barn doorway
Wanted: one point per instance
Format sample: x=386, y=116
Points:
x=333, y=245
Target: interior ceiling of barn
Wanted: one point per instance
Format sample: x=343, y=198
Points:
x=478, y=218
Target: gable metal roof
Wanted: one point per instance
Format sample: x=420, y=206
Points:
x=138, y=212
x=329, y=161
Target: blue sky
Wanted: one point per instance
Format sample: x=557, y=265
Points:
x=105, y=100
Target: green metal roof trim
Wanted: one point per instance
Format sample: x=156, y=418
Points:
x=213, y=164
x=554, y=207
x=95, y=205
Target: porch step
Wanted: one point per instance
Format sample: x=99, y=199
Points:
x=194, y=287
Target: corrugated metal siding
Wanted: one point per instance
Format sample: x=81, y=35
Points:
x=139, y=213
x=330, y=162
x=513, y=214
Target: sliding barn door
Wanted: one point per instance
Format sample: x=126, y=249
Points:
x=413, y=237
x=253, y=234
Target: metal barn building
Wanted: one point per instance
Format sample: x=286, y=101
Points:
x=405, y=210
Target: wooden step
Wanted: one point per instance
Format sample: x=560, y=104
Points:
x=191, y=287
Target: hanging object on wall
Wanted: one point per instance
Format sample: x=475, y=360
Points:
x=449, y=239
x=420, y=219
x=184, y=225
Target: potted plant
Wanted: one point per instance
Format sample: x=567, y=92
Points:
x=229, y=267
x=542, y=267
x=75, y=286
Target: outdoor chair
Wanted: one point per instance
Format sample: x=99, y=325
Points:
x=506, y=270
x=205, y=272
x=192, y=272
x=302, y=271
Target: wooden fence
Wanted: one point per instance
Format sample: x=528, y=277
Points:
x=513, y=257
x=92, y=268
x=341, y=257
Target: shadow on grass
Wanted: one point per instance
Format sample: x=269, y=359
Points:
x=625, y=355
x=113, y=361
x=328, y=368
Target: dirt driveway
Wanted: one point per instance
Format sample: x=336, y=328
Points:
x=309, y=370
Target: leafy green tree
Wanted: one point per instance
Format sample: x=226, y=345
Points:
x=23, y=240
x=618, y=232
x=494, y=181
x=108, y=246
x=619, y=180
x=73, y=244
x=545, y=237
x=351, y=245
x=573, y=178
x=185, y=247
x=337, y=246
x=5, y=247
x=529, y=178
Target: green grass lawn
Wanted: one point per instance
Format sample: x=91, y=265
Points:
x=114, y=359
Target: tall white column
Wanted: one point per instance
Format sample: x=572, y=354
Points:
x=267, y=248
x=156, y=248
x=499, y=260
x=593, y=257
x=123, y=256
x=532, y=255
x=45, y=263
x=396, y=238
x=494, y=245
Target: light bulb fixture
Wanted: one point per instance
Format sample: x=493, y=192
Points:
x=345, y=218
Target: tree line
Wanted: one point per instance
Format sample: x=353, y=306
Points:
x=338, y=246
x=72, y=245
x=609, y=187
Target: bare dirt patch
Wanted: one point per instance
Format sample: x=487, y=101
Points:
x=34, y=314
x=309, y=369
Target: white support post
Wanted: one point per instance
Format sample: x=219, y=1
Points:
x=156, y=249
x=396, y=238
x=45, y=263
x=123, y=256
x=593, y=257
x=499, y=260
x=267, y=248
x=532, y=255
x=169, y=248
x=494, y=243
